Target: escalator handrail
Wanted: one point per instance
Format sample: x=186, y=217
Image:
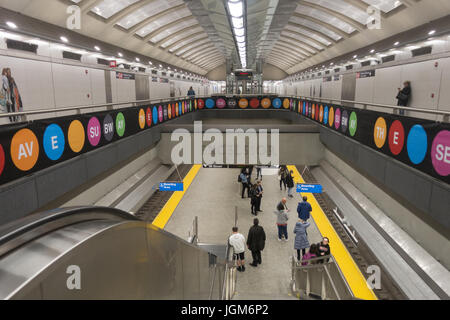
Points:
x=58, y=218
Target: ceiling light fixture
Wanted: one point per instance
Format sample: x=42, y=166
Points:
x=64, y=39
x=97, y=48
x=397, y=43
x=120, y=54
x=12, y=25
x=431, y=32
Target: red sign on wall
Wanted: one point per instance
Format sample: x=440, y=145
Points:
x=113, y=64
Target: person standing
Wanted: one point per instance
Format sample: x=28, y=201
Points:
x=191, y=92
x=254, y=199
x=304, y=209
x=256, y=241
x=245, y=183
x=282, y=219
x=290, y=183
x=403, y=96
x=259, y=196
x=237, y=241
x=5, y=94
x=282, y=176
x=250, y=173
x=301, y=238
x=258, y=172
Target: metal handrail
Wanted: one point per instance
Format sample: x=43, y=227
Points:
x=386, y=106
x=83, y=107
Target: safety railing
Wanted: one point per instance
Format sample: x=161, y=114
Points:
x=229, y=281
x=394, y=109
x=320, y=277
x=78, y=109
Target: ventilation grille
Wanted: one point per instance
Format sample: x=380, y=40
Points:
x=141, y=69
x=365, y=63
x=71, y=55
x=23, y=46
x=337, y=70
x=349, y=67
x=388, y=58
x=327, y=72
x=164, y=73
x=154, y=72
x=103, y=62
x=422, y=51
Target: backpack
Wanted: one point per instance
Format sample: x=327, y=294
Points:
x=239, y=178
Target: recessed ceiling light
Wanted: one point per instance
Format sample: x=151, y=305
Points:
x=150, y=63
x=137, y=59
x=355, y=56
x=372, y=51
x=64, y=39
x=97, y=48
x=397, y=43
x=12, y=25
x=120, y=54
x=432, y=32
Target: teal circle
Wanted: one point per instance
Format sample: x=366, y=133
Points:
x=417, y=144
x=120, y=124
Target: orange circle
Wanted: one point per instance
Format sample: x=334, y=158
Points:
x=331, y=117
x=266, y=103
x=286, y=103
x=321, y=114
x=380, y=132
x=243, y=103
x=76, y=136
x=169, y=111
x=313, y=113
x=142, y=118
x=24, y=149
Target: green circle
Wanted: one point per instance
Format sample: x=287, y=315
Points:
x=120, y=124
x=353, y=124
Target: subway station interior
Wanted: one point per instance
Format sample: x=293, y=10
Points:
x=141, y=139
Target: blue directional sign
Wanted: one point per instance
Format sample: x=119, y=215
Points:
x=309, y=188
x=171, y=186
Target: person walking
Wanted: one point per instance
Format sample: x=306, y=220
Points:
x=256, y=241
x=259, y=196
x=254, y=199
x=304, y=209
x=237, y=241
x=243, y=177
x=258, y=172
x=403, y=96
x=290, y=183
x=301, y=238
x=282, y=176
x=282, y=219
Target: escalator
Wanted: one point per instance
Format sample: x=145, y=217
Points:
x=104, y=253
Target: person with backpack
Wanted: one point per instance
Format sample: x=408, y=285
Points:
x=301, y=238
x=244, y=180
x=290, y=183
x=256, y=241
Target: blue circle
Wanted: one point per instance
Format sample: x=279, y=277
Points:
x=325, y=115
x=155, y=115
x=210, y=103
x=180, y=108
x=277, y=103
x=54, y=142
x=417, y=144
x=304, y=107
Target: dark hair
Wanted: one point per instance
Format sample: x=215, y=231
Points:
x=305, y=198
x=235, y=229
x=256, y=221
x=314, y=249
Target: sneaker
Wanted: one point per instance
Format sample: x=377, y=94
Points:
x=286, y=240
x=279, y=239
x=243, y=268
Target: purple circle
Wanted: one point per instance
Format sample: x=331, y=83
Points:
x=337, y=119
x=220, y=103
x=440, y=153
x=160, y=114
x=94, y=131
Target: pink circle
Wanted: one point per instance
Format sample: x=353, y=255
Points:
x=94, y=131
x=220, y=103
x=160, y=114
x=440, y=153
x=337, y=119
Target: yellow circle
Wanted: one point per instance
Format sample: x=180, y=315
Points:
x=243, y=103
x=195, y=104
x=76, y=136
x=142, y=118
x=380, y=132
x=24, y=149
x=331, y=117
x=286, y=103
x=266, y=103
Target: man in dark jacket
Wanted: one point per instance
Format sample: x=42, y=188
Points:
x=404, y=95
x=256, y=241
x=324, y=249
x=304, y=209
